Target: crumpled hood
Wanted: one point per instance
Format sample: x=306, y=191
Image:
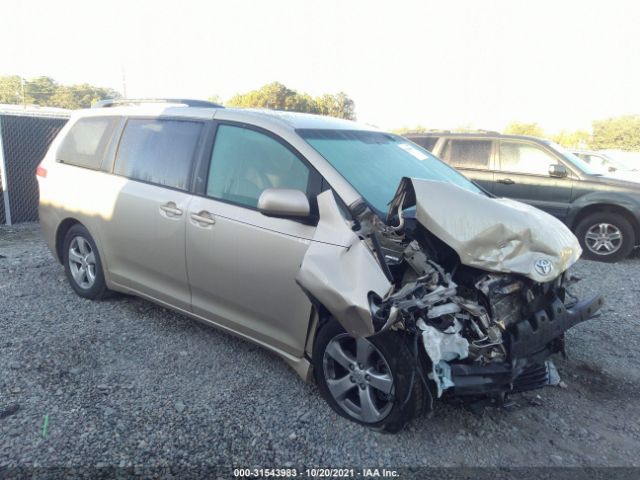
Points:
x=495, y=234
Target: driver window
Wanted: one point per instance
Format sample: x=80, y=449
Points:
x=245, y=162
x=524, y=158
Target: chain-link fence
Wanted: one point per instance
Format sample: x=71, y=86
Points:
x=24, y=140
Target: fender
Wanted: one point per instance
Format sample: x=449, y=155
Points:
x=624, y=200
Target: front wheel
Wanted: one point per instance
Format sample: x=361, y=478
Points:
x=372, y=381
x=605, y=237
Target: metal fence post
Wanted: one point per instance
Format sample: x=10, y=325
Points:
x=3, y=176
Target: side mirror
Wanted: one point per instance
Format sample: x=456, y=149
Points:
x=283, y=202
x=612, y=169
x=557, y=170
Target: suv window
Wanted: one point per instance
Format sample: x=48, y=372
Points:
x=158, y=151
x=524, y=158
x=245, y=162
x=86, y=141
x=467, y=153
x=425, y=142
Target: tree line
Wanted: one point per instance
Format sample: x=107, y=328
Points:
x=47, y=92
x=621, y=132
x=277, y=96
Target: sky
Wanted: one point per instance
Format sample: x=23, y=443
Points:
x=441, y=64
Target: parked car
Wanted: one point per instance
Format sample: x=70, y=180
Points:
x=610, y=164
x=276, y=227
x=602, y=210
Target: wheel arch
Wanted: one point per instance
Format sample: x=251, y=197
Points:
x=607, y=207
x=319, y=316
x=61, y=233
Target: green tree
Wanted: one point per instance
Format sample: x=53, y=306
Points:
x=522, y=128
x=80, y=96
x=46, y=92
x=273, y=95
x=40, y=90
x=277, y=96
x=11, y=89
x=618, y=132
x=338, y=105
x=577, y=139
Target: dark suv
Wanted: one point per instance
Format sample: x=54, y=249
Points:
x=602, y=211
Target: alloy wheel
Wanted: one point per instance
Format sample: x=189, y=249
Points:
x=82, y=262
x=358, y=378
x=603, y=238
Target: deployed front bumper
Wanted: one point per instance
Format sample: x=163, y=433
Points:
x=531, y=342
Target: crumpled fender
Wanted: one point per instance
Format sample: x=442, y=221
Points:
x=339, y=271
x=494, y=234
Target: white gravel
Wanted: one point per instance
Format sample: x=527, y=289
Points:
x=124, y=382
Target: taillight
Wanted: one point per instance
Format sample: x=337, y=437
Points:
x=41, y=172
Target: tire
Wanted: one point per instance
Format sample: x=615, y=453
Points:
x=611, y=228
x=82, y=264
x=389, y=358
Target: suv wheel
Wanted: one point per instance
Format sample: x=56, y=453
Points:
x=82, y=264
x=367, y=380
x=605, y=237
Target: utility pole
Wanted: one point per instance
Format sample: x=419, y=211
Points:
x=24, y=102
x=124, y=83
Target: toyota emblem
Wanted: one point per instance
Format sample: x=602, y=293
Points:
x=543, y=266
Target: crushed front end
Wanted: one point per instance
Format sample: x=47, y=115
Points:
x=485, y=333
x=482, y=291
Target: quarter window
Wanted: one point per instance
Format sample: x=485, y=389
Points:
x=158, y=151
x=467, y=153
x=524, y=158
x=86, y=141
x=425, y=142
x=245, y=162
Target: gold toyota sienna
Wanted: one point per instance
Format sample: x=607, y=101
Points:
x=367, y=264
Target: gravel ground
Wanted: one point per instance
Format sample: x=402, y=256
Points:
x=125, y=382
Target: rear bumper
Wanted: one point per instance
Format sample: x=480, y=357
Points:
x=531, y=342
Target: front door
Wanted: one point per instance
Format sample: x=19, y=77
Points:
x=242, y=264
x=523, y=174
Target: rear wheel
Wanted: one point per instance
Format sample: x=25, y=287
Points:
x=371, y=381
x=82, y=264
x=605, y=237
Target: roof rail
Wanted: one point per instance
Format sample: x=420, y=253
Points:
x=111, y=102
x=482, y=130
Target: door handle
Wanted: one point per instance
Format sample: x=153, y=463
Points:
x=203, y=218
x=171, y=209
x=506, y=181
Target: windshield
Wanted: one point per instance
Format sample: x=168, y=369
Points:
x=375, y=162
x=623, y=160
x=574, y=160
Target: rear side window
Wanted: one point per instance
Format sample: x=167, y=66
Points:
x=158, y=151
x=245, y=162
x=425, y=142
x=467, y=153
x=86, y=141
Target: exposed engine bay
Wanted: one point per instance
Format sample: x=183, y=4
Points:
x=484, y=330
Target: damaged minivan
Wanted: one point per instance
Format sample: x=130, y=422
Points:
x=367, y=264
